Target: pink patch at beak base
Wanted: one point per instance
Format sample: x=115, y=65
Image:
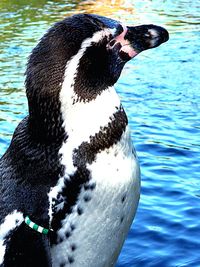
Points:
x=129, y=50
x=125, y=44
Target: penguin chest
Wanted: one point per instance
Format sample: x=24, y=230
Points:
x=94, y=232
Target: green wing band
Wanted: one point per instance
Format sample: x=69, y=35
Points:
x=36, y=227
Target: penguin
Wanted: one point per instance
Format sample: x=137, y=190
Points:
x=70, y=179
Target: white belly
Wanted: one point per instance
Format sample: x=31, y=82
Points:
x=106, y=210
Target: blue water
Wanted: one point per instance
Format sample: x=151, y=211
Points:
x=160, y=90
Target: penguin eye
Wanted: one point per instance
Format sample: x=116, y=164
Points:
x=119, y=30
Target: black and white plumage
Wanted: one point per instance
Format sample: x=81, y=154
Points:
x=71, y=166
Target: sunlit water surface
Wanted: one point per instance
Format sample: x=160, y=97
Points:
x=161, y=94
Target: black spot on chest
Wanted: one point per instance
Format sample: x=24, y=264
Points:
x=79, y=211
x=121, y=219
x=73, y=247
x=123, y=198
x=72, y=226
x=89, y=186
x=71, y=259
x=67, y=234
x=87, y=198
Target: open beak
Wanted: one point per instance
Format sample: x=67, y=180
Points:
x=133, y=40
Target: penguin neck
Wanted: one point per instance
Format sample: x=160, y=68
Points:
x=82, y=119
x=45, y=119
x=55, y=116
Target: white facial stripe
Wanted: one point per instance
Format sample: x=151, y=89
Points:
x=81, y=120
x=10, y=223
x=67, y=93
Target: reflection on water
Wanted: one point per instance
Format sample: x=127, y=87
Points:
x=113, y=8
x=161, y=94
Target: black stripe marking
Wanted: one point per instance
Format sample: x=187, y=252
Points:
x=86, y=153
x=104, y=139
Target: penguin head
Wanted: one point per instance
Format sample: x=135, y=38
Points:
x=96, y=48
x=107, y=46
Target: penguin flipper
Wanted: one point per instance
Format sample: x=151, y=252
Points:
x=27, y=248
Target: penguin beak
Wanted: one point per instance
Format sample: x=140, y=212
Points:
x=146, y=36
x=133, y=40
